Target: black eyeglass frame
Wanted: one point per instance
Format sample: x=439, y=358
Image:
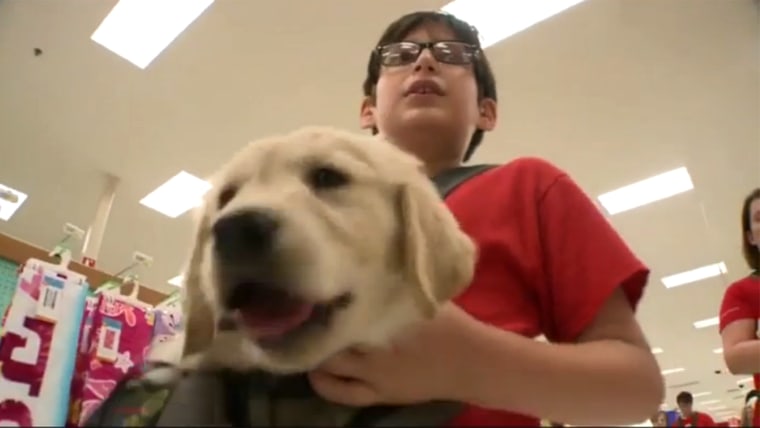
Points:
x=474, y=51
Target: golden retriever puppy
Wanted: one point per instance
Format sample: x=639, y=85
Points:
x=310, y=243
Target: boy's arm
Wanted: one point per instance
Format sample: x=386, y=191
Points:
x=609, y=377
x=603, y=372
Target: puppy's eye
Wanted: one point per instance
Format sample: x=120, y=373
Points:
x=225, y=196
x=326, y=178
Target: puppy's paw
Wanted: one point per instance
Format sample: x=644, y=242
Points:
x=160, y=376
x=191, y=363
x=168, y=351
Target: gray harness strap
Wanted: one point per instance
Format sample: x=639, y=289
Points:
x=198, y=401
x=194, y=402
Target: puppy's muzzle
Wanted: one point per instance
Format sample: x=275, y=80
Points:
x=246, y=234
x=256, y=291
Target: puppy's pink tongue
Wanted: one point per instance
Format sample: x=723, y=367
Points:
x=272, y=322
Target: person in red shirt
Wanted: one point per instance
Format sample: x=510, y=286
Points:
x=689, y=417
x=550, y=263
x=740, y=310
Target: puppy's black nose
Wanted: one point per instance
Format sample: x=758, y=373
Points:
x=245, y=233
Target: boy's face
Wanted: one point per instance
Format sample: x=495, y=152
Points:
x=684, y=408
x=436, y=125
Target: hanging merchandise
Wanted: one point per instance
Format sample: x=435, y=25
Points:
x=80, y=365
x=168, y=322
x=119, y=339
x=36, y=356
x=168, y=319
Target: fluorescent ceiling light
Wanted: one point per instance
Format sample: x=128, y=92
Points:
x=497, y=20
x=657, y=351
x=10, y=201
x=702, y=394
x=647, y=191
x=694, y=275
x=704, y=403
x=745, y=380
x=718, y=350
x=176, y=281
x=179, y=194
x=671, y=371
x=139, y=30
x=709, y=322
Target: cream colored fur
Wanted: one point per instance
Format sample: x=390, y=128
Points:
x=386, y=237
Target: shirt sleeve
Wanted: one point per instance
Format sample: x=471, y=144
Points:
x=738, y=304
x=584, y=259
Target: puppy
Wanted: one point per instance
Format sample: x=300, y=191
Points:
x=310, y=243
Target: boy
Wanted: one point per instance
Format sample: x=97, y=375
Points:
x=549, y=263
x=688, y=416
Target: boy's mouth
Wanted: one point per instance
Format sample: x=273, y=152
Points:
x=424, y=87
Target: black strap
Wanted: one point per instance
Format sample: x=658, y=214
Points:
x=446, y=182
x=752, y=394
x=449, y=180
x=235, y=397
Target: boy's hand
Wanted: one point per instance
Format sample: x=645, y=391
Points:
x=421, y=365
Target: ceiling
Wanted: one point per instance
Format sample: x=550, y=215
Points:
x=612, y=91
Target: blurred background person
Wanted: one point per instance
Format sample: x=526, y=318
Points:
x=659, y=419
x=688, y=416
x=740, y=310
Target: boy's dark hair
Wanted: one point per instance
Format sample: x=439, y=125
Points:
x=684, y=398
x=463, y=31
x=751, y=252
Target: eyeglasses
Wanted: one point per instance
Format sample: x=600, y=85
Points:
x=448, y=52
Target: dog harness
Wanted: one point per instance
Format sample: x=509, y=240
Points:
x=224, y=398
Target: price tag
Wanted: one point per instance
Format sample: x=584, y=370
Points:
x=108, y=340
x=51, y=291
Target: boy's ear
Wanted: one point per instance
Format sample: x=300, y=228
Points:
x=367, y=113
x=487, y=112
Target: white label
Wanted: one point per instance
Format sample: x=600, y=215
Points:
x=108, y=340
x=51, y=291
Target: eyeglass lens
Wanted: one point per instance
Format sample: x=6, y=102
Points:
x=449, y=52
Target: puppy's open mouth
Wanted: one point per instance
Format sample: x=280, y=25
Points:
x=272, y=314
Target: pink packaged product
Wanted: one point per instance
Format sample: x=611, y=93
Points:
x=121, y=332
x=80, y=368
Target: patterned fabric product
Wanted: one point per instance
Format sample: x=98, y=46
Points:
x=36, y=356
x=122, y=329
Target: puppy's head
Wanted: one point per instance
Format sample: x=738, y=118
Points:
x=315, y=241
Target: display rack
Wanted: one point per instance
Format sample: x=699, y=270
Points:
x=14, y=252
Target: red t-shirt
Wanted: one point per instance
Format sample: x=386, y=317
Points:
x=703, y=420
x=548, y=259
x=740, y=302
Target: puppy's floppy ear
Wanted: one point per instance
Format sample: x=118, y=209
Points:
x=438, y=256
x=198, y=314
